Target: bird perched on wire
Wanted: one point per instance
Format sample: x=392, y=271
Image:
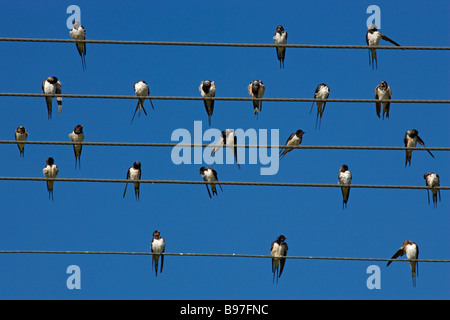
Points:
x=256, y=89
x=383, y=92
x=50, y=172
x=79, y=33
x=278, y=251
x=345, y=178
x=158, y=247
x=410, y=140
x=432, y=181
x=134, y=174
x=142, y=90
x=52, y=86
x=280, y=37
x=373, y=37
x=411, y=250
x=294, y=140
x=210, y=175
x=322, y=92
x=77, y=135
x=228, y=139
x=208, y=89
x=21, y=134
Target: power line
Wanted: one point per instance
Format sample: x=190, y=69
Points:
x=212, y=44
x=237, y=183
x=205, y=145
x=104, y=96
x=232, y=255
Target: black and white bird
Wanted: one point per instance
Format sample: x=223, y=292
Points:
x=345, y=178
x=373, y=37
x=77, y=135
x=210, y=175
x=134, y=175
x=256, y=90
x=432, y=181
x=21, y=134
x=383, y=92
x=228, y=139
x=280, y=37
x=294, y=140
x=410, y=140
x=50, y=172
x=208, y=89
x=52, y=86
x=411, y=250
x=278, y=250
x=79, y=33
x=322, y=92
x=157, y=247
x=141, y=89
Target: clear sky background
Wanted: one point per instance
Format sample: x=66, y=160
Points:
x=241, y=219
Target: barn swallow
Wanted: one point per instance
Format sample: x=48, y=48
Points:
x=210, y=175
x=345, y=177
x=158, y=247
x=79, y=33
x=21, y=134
x=280, y=37
x=322, y=92
x=228, y=139
x=77, y=135
x=278, y=249
x=256, y=89
x=412, y=252
x=411, y=138
x=134, y=174
x=52, y=86
x=294, y=140
x=432, y=180
x=373, y=37
x=208, y=89
x=50, y=172
x=141, y=89
x=383, y=92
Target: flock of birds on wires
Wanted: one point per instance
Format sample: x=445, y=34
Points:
x=256, y=89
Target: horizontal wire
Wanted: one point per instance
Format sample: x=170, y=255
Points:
x=205, y=145
x=232, y=255
x=237, y=183
x=212, y=44
x=104, y=96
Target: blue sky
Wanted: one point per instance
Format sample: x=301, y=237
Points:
x=242, y=219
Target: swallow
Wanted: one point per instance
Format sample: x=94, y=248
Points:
x=77, y=135
x=208, y=89
x=411, y=138
x=278, y=249
x=21, y=134
x=50, y=172
x=412, y=252
x=345, y=178
x=322, y=92
x=280, y=37
x=142, y=90
x=256, y=90
x=432, y=180
x=157, y=247
x=294, y=140
x=79, y=33
x=228, y=139
x=210, y=175
x=373, y=37
x=383, y=92
x=134, y=174
x=52, y=86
